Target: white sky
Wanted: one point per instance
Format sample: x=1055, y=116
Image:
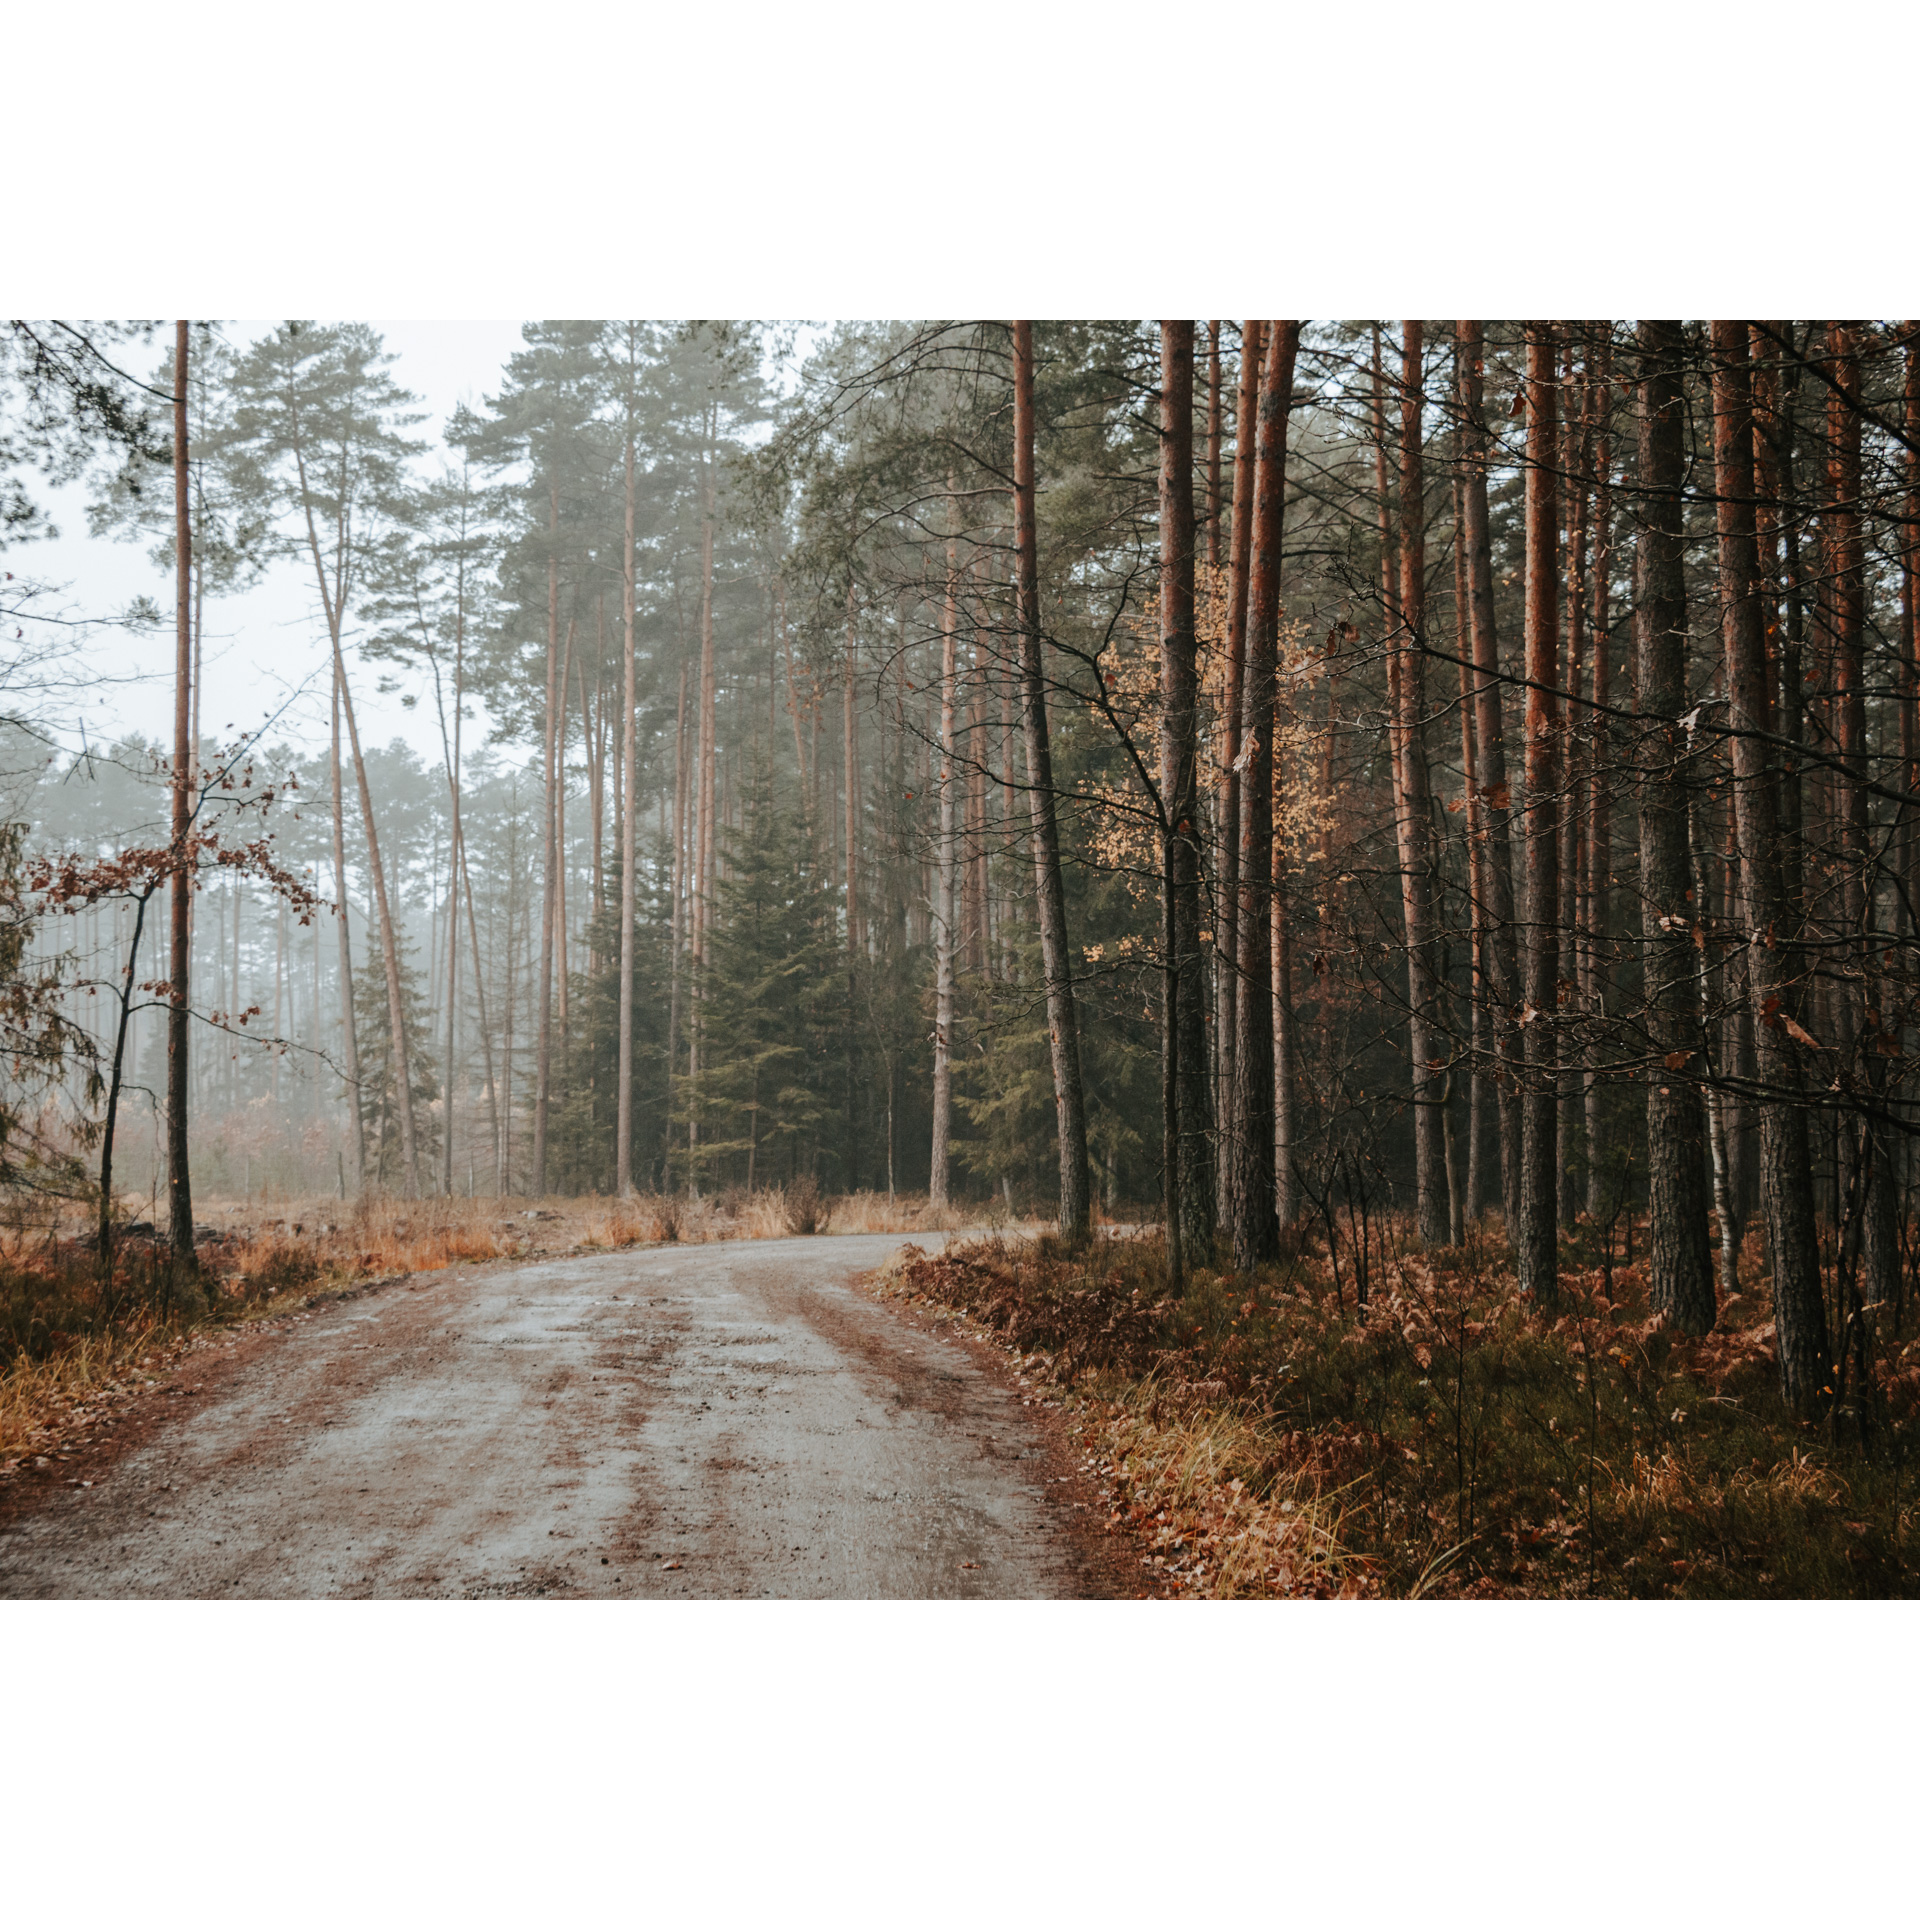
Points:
x=264, y=645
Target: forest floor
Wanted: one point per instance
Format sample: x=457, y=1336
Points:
x=1272, y=1439
x=725, y=1418
x=1279, y=1438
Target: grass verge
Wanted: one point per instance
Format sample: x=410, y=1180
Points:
x=1277, y=1438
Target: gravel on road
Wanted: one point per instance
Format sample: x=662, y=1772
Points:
x=729, y=1419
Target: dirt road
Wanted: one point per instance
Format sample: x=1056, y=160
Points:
x=729, y=1419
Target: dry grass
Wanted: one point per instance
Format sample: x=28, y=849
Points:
x=1206, y=1488
x=1444, y=1441
x=41, y=1401
x=767, y=1213
x=1198, y=1486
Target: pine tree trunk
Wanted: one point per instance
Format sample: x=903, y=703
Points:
x=1682, y=1274
x=1213, y=443
x=629, y=903
x=1255, y=1225
x=1536, y=1246
x=549, y=861
x=1050, y=898
x=793, y=710
x=1286, y=1195
x=1189, y=1173
x=944, y=884
x=1602, y=1196
x=456, y=867
x=350, y=1044
x=850, y=784
x=179, y=1178
x=1860, y=1024
x=560, y=925
x=677, y=918
x=1473, y=1197
x=597, y=762
x=1414, y=814
x=1573, y=769
x=1500, y=950
x=1232, y=782
x=1909, y=682
x=1786, y=1169
x=401, y=1065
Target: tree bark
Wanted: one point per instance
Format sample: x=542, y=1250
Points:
x=349, y=1039
x=1860, y=998
x=179, y=1176
x=944, y=881
x=1189, y=1173
x=1232, y=781
x=1909, y=854
x=850, y=783
x=1786, y=1170
x=1414, y=811
x=1213, y=443
x=1573, y=460
x=1537, y=1245
x=455, y=867
x=1601, y=957
x=623, y=1068
x=549, y=858
x=1501, y=949
x=1682, y=1272
x=1473, y=1194
x=1251, y=1190
x=1049, y=888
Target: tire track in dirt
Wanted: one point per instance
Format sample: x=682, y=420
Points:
x=705, y=1421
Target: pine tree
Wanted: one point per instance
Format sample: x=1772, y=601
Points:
x=380, y=1104
x=764, y=1094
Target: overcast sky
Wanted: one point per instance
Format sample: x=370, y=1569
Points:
x=264, y=646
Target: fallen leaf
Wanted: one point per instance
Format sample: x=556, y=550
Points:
x=672, y=1566
x=969, y=1566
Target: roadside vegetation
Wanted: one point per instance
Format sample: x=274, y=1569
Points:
x=1434, y=1437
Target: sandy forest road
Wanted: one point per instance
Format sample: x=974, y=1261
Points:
x=704, y=1421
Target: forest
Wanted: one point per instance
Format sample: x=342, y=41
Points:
x=1379, y=781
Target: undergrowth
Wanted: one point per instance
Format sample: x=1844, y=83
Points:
x=70, y=1328
x=1274, y=1437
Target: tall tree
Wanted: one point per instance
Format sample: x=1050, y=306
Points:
x=1233, y=694
x=327, y=422
x=1536, y=1247
x=1490, y=758
x=629, y=372
x=1676, y=1142
x=945, y=857
x=1050, y=897
x=1251, y=1193
x=1413, y=810
x=1189, y=1173
x=1786, y=1172
x=179, y=1171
